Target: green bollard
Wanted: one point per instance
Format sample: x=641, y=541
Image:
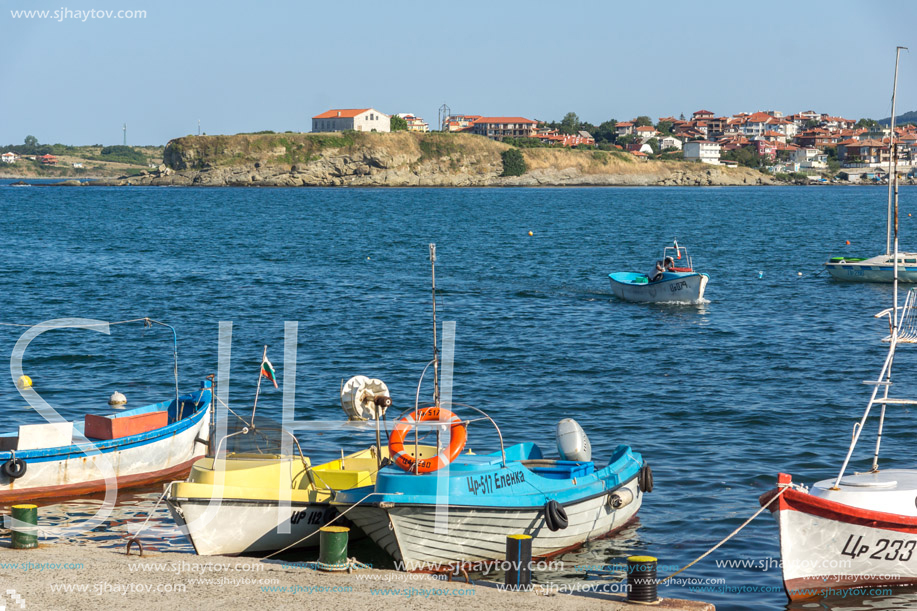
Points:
x=26, y=537
x=332, y=541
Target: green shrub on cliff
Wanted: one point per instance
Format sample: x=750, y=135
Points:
x=398, y=124
x=513, y=163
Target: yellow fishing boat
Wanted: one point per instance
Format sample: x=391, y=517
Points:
x=251, y=502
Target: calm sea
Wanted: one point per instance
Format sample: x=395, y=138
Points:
x=718, y=397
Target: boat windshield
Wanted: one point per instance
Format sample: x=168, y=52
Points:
x=265, y=439
x=680, y=256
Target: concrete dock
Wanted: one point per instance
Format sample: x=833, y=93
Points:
x=77, y=577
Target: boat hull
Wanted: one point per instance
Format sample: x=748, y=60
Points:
x=478, y=534
x=139, y=460
x=673, y=287
x=245, y=526
x=827, y=546
x=874, y=269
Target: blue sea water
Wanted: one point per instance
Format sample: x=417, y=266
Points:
x=719, y=397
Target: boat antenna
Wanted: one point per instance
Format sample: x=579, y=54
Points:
x=435, y=347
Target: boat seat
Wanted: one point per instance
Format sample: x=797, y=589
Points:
x=559, y=469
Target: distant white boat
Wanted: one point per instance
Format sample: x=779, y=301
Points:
x=676, y=284
x=874, y=269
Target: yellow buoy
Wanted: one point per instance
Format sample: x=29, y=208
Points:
x=24, y=382
x=531, y=233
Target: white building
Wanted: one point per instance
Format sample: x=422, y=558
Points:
x=415, y=123
x=810, y=159
x=702, y=150
x=669, y=142
x=8, y=157
x=356, y=119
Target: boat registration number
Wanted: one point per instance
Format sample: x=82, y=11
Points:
x=677, y=286
x=883, y=549
x=489, y=482
x=311, y=517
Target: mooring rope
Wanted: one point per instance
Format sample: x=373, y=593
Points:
x=784, y=488
x=330, y=522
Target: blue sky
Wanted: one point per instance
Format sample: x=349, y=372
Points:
x=246, y=66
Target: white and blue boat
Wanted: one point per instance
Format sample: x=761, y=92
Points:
x=874, y=269
x=677, y=281
x=444, y=509
x=122, y=449
x=461, y=515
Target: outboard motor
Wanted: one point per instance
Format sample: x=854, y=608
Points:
x=572, y=443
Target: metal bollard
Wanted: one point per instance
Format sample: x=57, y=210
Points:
x=332, y=554
x=519, y=556
x=641, y=579
x=25, y=537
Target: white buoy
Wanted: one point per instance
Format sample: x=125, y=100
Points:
x=117, y=400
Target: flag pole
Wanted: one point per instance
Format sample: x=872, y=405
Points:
x=258, y=388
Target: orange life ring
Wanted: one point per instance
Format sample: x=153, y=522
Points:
x=427, y=465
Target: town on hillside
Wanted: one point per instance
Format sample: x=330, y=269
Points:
x=806, y=146
x=808, y=143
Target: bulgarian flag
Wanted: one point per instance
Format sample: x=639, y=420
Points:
x=267, y=370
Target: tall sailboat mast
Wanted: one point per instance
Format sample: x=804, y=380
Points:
x=892, y=165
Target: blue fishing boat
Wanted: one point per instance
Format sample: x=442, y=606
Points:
x=461, y=515
x=673, y=280
x=446, y=509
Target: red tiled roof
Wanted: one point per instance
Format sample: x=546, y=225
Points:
x=503, y=120
x=335, y=113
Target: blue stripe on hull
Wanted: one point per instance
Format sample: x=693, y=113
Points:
x=115, y=445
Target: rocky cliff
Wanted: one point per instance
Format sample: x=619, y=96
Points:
x=403, y=159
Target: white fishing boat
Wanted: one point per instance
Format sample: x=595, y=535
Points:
x=673, y=280
x=880, y=268
x=115, y=450
x=855, y=530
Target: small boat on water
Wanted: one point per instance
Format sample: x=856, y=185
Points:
x=881, y=268
x=673, y=280
x=874, y=269
x=453, y=510
x=124, y=449
x=253, y=497
x=857, y=530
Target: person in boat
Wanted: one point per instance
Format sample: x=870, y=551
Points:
x=657, y=272
x=669, y=264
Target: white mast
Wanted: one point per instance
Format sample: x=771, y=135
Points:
x=891, y=147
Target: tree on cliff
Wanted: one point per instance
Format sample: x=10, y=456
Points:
x=643, y=121
x=513, y=163
x=31, y=141
x=398, y=124
x=606, y=131
x=569, y=124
